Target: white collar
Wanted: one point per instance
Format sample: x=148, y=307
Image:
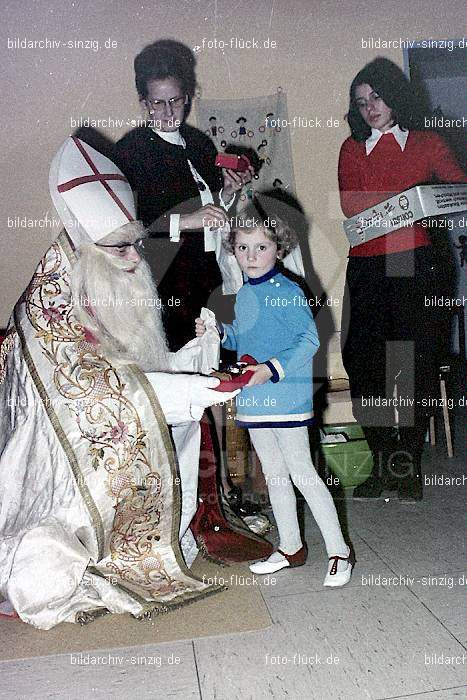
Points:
x=174, y=137
x=399, y=135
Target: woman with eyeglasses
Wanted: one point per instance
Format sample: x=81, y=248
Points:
x=389, y=332
x=181, y=195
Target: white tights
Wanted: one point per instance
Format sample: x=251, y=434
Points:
x=284, y=454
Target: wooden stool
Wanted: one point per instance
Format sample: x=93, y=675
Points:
x=443, y=372
x=237, y=447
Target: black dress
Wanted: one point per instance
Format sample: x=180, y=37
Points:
x=160, y=175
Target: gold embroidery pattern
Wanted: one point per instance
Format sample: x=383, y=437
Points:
x=6, y=346
x=94, y=392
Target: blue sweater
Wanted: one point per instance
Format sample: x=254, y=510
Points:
x=274, y=324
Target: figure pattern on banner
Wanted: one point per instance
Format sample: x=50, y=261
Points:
x=253, y=123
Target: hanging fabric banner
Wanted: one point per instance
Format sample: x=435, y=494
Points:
x=253, y=122
x=258, y=123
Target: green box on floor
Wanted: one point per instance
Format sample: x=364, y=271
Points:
x=346, y=453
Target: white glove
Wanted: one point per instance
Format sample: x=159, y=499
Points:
x=202, y=394
x=183, y=397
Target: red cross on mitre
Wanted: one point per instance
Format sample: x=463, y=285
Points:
x=103, y=178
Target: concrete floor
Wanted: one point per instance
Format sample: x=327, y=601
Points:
x=398, y=630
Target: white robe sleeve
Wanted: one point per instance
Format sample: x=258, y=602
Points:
x=173, y=392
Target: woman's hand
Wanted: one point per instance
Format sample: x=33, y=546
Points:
x=234, y=181
x=209, y=215
x=261, y=374
x=200, y=327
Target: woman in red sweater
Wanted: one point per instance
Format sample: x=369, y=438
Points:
x=389, y=332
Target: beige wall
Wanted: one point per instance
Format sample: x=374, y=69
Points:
x=319, y=49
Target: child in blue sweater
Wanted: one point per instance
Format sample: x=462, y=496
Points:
x=273, y=323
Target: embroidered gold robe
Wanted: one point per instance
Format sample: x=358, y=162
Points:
x=89, y=494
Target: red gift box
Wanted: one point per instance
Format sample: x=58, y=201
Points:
x=238, y=381
x=232, y=161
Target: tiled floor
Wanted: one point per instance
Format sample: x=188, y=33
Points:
x=398, y=630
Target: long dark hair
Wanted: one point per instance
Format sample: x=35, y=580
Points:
x=163, y=59
x=391, y=84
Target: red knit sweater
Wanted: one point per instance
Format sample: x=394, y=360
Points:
x=386, y=171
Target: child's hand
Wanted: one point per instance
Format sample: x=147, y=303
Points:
x=200, y=327
x=261, y=374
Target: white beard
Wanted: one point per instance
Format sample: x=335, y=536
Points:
x=121, y=309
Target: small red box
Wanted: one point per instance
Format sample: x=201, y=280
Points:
x=232, y=162
x=238, y=381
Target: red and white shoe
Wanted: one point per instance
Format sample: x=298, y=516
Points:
x=280, y=560
x=339, y=573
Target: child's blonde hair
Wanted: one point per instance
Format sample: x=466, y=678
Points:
x=277, y=230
